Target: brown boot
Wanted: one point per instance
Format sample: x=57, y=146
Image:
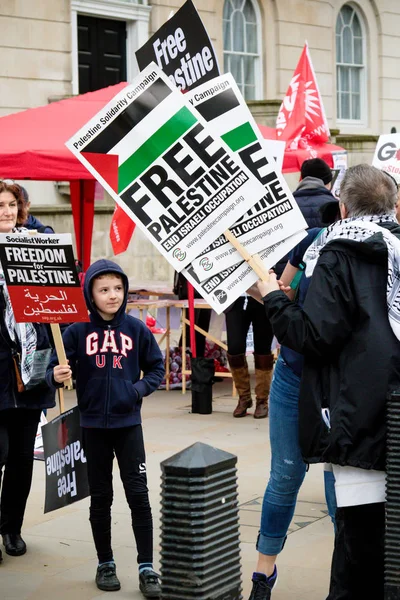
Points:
x=264, y=365
x=241, y=377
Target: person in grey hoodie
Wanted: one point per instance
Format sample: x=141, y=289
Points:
x=312, y=193
x=313, y=190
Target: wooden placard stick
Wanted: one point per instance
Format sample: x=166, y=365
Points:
x=58, y=342
x=60, y=392
x=254, y=261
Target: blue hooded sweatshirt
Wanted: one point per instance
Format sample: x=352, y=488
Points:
x=107, y=357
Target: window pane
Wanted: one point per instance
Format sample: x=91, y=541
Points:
x=249, y=92
x=227, y=35
x=355, y=80
x=236, y=69
x=356, y=26
x=344, y=79
x=237, y=4
x=347, y=13
x=251, y=38
x=338, y=82
x=339, y=24
x=238, y=31
x=227, y=9
x=347, y=39
x=249, y=75
x=338, y=49
x=345, y=106
x=248, y=12
x=227, y=58
x=358, y=53
x=356, y=106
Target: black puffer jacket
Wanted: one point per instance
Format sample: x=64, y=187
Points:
x=351, y=355
x=40, y=396
x=310, y=195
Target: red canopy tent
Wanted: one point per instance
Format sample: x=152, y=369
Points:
x=32, y=146
x=293, y=159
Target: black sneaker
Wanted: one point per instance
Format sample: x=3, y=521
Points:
x=106, y=578
x=149, y=584
x=262, y=585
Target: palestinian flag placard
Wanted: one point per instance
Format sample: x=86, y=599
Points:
x=276, y=216
x=165, y=166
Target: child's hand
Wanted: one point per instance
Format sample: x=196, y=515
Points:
x=62, y=373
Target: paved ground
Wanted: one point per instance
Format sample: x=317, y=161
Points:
x=61, y=563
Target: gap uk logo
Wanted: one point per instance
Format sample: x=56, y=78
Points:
x=206, y=264
x=179, y=254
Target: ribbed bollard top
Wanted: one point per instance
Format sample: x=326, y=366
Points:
x=392, y=533
x=200, y=556
x=198, y=459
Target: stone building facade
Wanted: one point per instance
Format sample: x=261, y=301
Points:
x=51, y=49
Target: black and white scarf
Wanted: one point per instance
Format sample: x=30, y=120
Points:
x=359, y=229
x=24, y=333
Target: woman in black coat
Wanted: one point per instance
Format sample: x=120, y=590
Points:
x=19, y=411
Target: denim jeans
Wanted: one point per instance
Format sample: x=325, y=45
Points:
x=330, y=496
x=287, y=467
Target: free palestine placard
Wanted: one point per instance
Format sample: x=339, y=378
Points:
x=276, y=216
x=41, y=278
x=159, y=159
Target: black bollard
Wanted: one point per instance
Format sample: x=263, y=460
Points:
x=392, y=532
x=200, y=555
x=203, y=371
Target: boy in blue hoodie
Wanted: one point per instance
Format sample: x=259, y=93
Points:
x=106, y=357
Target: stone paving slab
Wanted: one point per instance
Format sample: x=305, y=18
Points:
x=61, y=562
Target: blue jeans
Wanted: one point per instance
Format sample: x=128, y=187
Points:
x=287, y=467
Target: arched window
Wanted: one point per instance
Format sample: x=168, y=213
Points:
x=242, y=46
x=350, y=65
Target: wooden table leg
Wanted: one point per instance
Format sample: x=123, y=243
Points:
x=167, y=337
x=183, y=350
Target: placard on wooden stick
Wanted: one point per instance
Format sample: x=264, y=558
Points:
x=42, y=282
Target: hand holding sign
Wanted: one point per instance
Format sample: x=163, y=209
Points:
x=62, y=373
x=266, y=287
x=42, y=282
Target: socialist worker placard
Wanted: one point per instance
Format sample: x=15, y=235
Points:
x=41, y=278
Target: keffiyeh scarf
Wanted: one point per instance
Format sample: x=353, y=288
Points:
x=359, y=229
x=23, y=333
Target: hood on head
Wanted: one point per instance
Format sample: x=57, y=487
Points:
x=100, y=267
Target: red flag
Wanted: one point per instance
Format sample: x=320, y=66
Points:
x=301, y=118
x=121, y=230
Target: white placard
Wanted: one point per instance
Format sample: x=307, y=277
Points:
x=277, y=216
x=224, y=287
x=166, y=167
x=387, y=155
